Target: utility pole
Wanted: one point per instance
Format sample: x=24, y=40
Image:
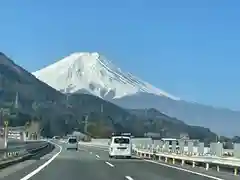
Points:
x=67, y=100
x=85, y=124
x=16, y=105
x=16, y=101
x=1, y=116
x=216, y=138
x=145, y=112
x=5, y=133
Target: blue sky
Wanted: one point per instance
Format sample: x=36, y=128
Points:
x=190, y=49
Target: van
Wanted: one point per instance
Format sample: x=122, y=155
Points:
x=120, y=146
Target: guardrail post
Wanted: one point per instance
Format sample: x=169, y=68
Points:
x=183, y=162
x=166, y=159
x=5, y=155
x=193, y=164
x=235, y=171
x=207, y=166
x=218, y=169
x=173, y=161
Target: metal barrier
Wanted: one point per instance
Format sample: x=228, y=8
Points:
x=216, y=162
x=145, y=148
x=18, y=153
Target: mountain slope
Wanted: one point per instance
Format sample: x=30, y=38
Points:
x=222, y=121
x=14, y=79
x=97, y=75
x=171, y=127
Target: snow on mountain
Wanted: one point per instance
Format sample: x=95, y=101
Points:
x=93, y=73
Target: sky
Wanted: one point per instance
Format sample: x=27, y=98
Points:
x=190, y=49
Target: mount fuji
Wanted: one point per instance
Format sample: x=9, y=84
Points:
x=92, y=73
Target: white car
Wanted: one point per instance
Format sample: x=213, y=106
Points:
x=120, y=146
x=72, y=143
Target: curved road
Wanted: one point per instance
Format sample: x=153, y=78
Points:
x=91, y=163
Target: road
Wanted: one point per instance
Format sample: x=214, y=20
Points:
x=91, y=163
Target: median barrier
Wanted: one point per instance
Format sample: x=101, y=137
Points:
x=207, y=161
x=13, y=155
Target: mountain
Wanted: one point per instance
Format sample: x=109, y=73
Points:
x=220, y=120
x=154, y=114
x=92, y=73
x=60, y=114
x=35, y=98
x=171, y=127
x=15, y=79
x=57, y=112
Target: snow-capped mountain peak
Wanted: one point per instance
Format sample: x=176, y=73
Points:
x=93, y=73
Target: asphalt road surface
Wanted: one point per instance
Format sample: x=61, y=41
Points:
x=91, y=163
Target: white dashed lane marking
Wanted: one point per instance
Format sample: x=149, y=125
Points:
x=128, y=177
x=109, y=164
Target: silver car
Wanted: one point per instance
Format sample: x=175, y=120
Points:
x=72, y=143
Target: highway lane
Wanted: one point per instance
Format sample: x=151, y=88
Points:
x=68, y=165
x=164, y=169
x=91, y=163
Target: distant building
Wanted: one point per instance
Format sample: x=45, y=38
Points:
x=184, y=136
x=152, y=135
x=79, y=135
x=33, y=130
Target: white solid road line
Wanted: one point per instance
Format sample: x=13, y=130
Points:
x=109, y=164
x=43, y=165
x=97, y=156
x=128, y=177
x=186, y=170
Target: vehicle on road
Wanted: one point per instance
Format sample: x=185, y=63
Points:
x=56, y=137
x=120, y=145
x=72, y=143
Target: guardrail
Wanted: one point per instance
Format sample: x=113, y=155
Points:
x=151, y=152
x=207, y=162
x=20, y=153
